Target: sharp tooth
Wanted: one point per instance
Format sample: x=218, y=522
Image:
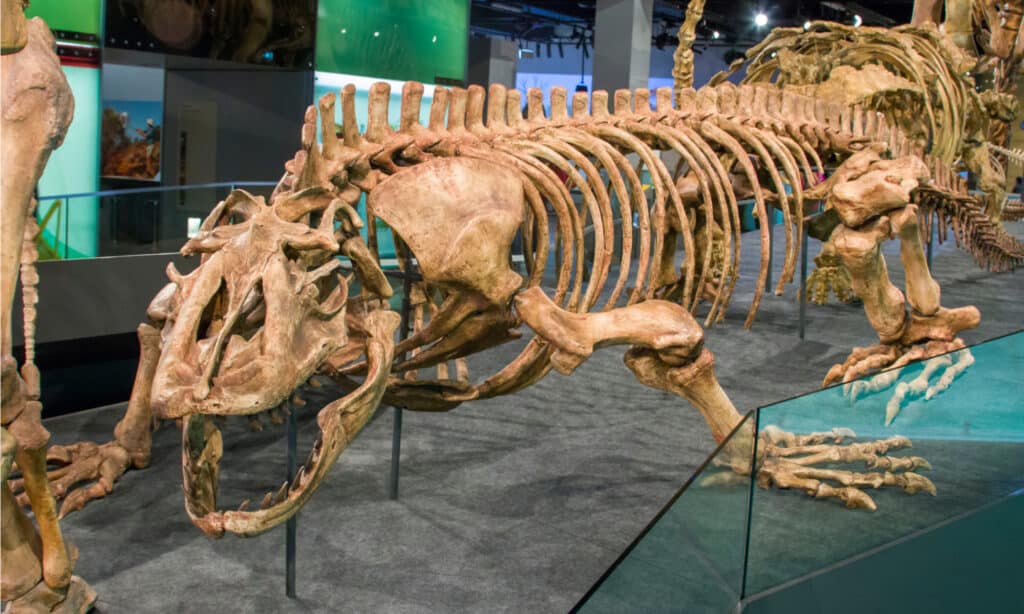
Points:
x=310, y=461
x=301, y=475
x=243, y=505
x=282, y=493
x=268, y=499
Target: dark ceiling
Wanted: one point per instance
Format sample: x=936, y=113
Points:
x=569, y=21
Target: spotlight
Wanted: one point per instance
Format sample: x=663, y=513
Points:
x=376, y=34
x=807, y=25
x=857, y=21
x=761, y=20
x=434, y=39
x=715, y=34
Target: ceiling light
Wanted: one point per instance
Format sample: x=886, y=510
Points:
x=563, y=30
x=857, y=21
x=376, y=34
x=344, y=30
x=807, y=25
x=715, y=34
x=761, y=20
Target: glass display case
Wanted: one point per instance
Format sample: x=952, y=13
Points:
x=724, y=543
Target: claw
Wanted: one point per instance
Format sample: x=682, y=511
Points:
x=936, y=355
x=916, y=483
x=857, y=499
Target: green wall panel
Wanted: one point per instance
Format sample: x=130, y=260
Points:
x=69, y=15
x=394, y=39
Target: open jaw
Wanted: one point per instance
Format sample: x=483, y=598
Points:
x=338, y=422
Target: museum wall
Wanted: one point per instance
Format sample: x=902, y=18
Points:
x=256, y=117
x=492, y=60
x=227, y=125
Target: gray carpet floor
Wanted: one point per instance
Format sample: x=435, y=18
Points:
x=517, y=504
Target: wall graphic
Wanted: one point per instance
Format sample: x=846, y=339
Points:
x=270, y=32
x=130, y=139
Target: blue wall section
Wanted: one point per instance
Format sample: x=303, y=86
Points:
x=74, y=168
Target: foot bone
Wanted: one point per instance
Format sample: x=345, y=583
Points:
x=793, y=461
x=98, y=465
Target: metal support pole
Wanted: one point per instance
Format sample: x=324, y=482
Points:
x=396, y=429
x=931, y=240
x=771, y=246
x=292, y=523
x=803, y=283
x=396, y=453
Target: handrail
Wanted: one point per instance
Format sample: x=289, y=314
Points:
x=169, y=188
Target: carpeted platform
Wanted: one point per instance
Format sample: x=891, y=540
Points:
x=515, y=504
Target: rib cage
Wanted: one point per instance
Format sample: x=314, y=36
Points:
x=775, y=138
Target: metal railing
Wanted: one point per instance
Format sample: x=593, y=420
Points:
x=128, y=221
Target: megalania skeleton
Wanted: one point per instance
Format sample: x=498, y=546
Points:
x=269, y=307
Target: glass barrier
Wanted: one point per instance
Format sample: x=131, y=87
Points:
x=129, y=222
x=690, y=558
x=724, y=541
x=972, y=435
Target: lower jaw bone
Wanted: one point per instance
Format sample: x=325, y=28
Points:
x=339, y=422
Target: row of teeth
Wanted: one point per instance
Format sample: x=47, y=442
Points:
x=286, y=488
x=273, y=498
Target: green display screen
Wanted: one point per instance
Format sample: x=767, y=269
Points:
x=404, y=40
x=81, y=16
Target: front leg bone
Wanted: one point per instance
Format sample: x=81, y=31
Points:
x=861, y=252
x=923, y=291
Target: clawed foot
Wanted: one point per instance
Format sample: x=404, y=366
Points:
x=944, y=362
x=97, y=465
x=794, y=461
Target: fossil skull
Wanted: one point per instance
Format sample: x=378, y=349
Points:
x=262, y=312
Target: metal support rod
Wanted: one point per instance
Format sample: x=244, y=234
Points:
x=771, y=246
x=396, y=428
x=931, y=240
x=396, y=453
x=803, y=283
x=292, y=523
